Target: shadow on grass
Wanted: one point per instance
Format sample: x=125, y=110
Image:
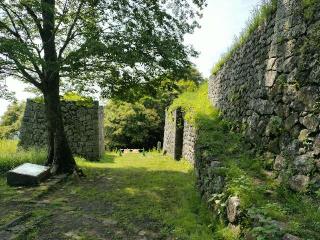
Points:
x=164, y=202
x=108, y=158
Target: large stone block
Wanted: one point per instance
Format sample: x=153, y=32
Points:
x=27, y=175
x=233, y=209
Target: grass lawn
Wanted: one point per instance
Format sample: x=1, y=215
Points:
x=123, y=197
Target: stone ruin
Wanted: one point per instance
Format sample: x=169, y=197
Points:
x=83, y=127
x=270, y=89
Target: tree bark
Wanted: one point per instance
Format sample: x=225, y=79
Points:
x=59, y=153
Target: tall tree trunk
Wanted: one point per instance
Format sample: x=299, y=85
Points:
x=59, y=153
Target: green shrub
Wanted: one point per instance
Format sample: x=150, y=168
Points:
x=195, y=105
x=130, y=125
x=310, y=8
x=11, y=120
x=70, y=97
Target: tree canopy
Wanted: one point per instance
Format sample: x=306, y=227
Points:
x=113, y=44
x=11, y=120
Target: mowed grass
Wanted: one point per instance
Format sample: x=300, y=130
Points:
x=11, y=156
x=150, y=194
x=152, y=191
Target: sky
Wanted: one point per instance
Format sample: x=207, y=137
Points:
x=222, y=21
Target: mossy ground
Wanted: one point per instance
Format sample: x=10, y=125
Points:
x=122, y=197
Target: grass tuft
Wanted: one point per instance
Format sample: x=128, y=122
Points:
x=195, y=111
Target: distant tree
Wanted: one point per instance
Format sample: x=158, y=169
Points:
x=191, y=73
x=11, y=120
x=130, y=125
x=5, y=93
x=114, y=44
x=152, y=104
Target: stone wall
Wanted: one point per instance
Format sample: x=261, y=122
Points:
x=189, y=142
x=83, y=127
x=173, y=134
x=270, y=88
x=179, y=137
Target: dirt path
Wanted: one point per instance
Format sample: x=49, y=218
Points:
x=129, y=197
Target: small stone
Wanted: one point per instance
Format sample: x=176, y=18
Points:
x=109, y=222
x=291, y=121
x=271, y=63
x=302, y=151
x=269, y=193
x=290, y=237
x=317, y=163
x=263, y=107
x=73, y=235
x=316, y=145
x=274, y=126
x=270, y=78
x=304, y=163
x=233, y=209
x=288, y=65
x=299, y=183
x=315, y=182
x=273, y=146
x=308, y=95
x=311, y=122
x=297, y=106
x=279, y=163
x=215, y=164
x=304, y=134
x=142, y=233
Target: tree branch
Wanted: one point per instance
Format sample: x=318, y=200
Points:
x=26, y=29
x=16, y=34
x=35, y=18
x=13, y=33
x=27, y=76
x=64, y=12
x=71, y=34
